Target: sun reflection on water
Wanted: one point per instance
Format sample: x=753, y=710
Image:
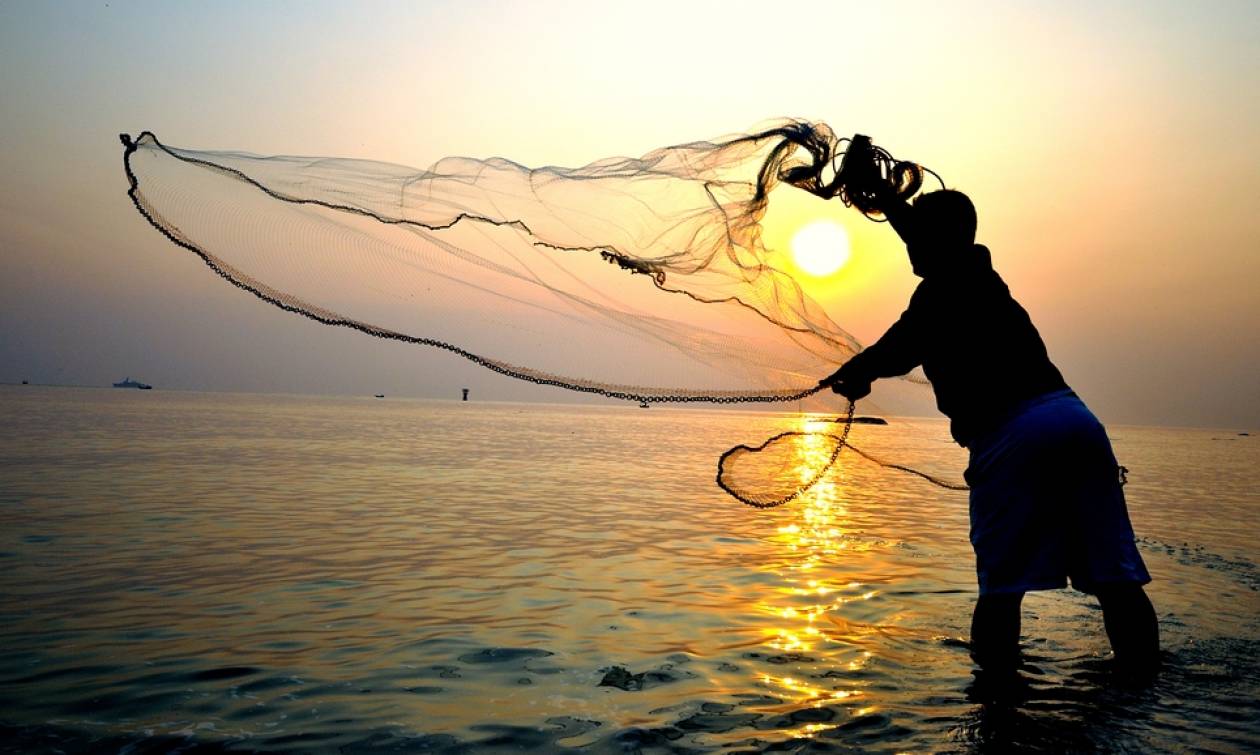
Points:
x=804, y=621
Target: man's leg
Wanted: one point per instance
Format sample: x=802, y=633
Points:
x=1131, y=625
x=995, y=632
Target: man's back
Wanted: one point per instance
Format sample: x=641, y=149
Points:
x=977, y=346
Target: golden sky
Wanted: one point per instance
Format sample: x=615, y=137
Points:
x=1111, y=149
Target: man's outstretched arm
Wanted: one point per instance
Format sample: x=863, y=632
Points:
x=895, y=353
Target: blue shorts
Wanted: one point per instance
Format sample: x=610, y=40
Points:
x=1046, y=503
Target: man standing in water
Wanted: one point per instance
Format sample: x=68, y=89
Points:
x=1046, y=498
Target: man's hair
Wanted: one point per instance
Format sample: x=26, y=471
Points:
x=946, y=215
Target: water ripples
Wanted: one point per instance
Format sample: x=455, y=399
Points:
x=306, y=574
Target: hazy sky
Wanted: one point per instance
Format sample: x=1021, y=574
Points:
x=1112, y=150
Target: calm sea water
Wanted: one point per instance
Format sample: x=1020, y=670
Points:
x=228, y=572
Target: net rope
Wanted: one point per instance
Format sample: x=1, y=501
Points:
x=638, y=279
x=776, y=477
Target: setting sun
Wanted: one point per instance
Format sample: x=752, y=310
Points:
x=821, y=248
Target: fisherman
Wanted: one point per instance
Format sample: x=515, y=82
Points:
x=1046, y=498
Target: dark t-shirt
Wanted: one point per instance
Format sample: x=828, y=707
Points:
x=976, y=344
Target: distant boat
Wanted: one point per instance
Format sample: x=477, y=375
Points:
x=380, y=395
x=860, y=420
x=127, y=382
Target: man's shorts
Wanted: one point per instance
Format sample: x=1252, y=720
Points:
x=1046, y=503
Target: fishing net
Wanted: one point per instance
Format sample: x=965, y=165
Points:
x=643, y=279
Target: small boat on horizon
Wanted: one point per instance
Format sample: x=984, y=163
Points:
x=127, y=382
x=859, y=420
x=869, y=421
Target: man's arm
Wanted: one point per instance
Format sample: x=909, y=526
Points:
x=899, y=214
x=895, y=353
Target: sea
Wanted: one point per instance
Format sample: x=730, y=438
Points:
x=199, y=572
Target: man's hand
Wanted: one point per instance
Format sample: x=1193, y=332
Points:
x=852, y=389
x=850, y=386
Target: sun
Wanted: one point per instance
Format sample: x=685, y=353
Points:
x=821, y=248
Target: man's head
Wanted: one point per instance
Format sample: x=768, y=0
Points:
x=938, y=227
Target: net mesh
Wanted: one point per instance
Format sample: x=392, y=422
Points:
x=642, y=279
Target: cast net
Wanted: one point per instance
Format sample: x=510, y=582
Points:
x=643, y=279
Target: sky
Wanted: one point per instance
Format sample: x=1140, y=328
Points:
x=1111, y=149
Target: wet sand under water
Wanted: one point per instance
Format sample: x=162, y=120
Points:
x=233, y=572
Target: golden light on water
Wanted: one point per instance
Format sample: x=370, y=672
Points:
x=803, y=615
x=821, y=247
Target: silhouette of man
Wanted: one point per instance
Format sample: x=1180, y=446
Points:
x=1046, y=501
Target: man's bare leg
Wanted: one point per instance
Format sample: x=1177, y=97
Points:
x=1132, y=626
x=995, y=632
